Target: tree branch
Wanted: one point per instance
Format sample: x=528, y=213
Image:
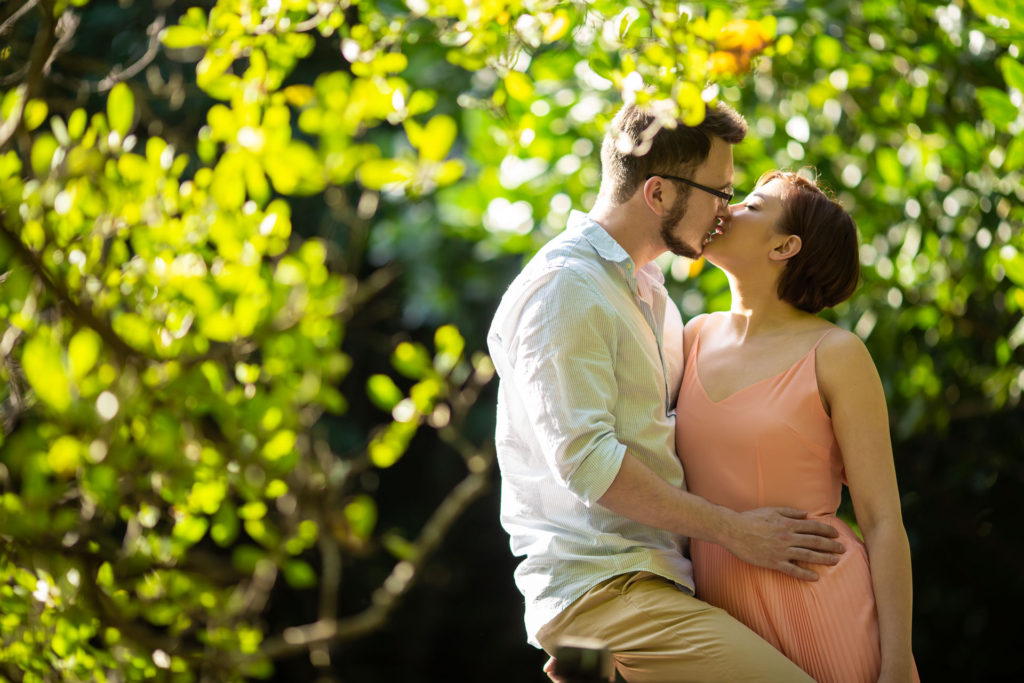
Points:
x=118, y=74
x=389, y=595
x=82, y=313
x=18, y=14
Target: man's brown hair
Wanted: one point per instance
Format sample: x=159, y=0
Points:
x=637, y=145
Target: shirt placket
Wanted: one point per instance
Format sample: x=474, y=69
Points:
x=654, y=314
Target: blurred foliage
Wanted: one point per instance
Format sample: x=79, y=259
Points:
x=248, y=247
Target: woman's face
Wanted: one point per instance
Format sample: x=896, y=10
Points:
x=749, y=234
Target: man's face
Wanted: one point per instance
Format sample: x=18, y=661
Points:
x=695, y=213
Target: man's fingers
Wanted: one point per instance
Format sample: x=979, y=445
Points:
x=812, y=557
x=810, y=526
x=549, y=669
x=796, y=572
x=792, y=513
x=811, y=542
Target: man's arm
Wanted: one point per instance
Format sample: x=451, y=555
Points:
x=775, y=538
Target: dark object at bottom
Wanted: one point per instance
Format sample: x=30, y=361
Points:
x=584, y=660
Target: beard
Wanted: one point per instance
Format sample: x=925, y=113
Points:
x=670, y=221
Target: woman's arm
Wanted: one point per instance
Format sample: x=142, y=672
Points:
x=853, y=392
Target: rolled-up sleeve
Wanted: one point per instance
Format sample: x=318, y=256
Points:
x=561, y=358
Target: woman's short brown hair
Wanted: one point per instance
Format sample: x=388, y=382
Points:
x=826, y=270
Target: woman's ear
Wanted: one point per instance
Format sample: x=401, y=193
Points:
x=787, y=248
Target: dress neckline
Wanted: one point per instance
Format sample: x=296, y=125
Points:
x=695, y=353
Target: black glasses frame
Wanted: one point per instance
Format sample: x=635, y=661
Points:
x=727, y=196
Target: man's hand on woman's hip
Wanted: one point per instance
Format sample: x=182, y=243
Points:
x=779, y=537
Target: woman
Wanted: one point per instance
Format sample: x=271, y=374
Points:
x=780, y=407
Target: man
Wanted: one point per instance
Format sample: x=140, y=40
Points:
x=589, y=351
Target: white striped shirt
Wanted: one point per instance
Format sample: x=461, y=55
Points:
x=589, y=354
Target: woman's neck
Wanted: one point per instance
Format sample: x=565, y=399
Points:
x=757, y=309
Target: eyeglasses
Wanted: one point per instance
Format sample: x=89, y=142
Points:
x=727, y=196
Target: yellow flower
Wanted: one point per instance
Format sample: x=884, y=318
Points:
x=723, y=63
x=744, y=35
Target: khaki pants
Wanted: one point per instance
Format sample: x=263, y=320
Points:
x=660, y=634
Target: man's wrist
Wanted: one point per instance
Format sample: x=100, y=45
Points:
x=726, y=527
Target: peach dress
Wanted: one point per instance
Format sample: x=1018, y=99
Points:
x=771, y=444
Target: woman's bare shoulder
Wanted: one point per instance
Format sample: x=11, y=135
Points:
x=842, y=354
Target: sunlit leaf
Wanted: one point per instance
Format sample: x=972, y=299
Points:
x=35, y=113
x=518, y=86
x=1013, y=72
x=280, y=445
x=438, y=136
x=299, y=574
x=361, y=515
x=43, y=151
x=83, y=352
x=121, y=108
x=178, y=37
x=827, y=51
x=997, y=106
x=383, y=391
x=379, y=173
x=44, y=370
x=65, y=455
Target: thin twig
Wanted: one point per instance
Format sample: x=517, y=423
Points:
x=81, y=312
x=118, y=74
x=389, y=595
x=18, y=14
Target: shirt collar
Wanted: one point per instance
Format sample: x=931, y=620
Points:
x=607, y=248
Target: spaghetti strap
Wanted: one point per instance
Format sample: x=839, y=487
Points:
x=696, y=341
x=825, y=334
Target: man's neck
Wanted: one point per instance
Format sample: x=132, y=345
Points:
x=631, y=227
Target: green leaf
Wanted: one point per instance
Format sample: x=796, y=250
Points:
x=1010, y=10
x=254, y=510
x=377, y=173
x=399, y=547
x=889, y=167
x=35, y=114
x=282, y=444
x=225, y=526
x=1013, y=72
x=1013, y=263
x=121, y=108
x=827, y=51
x=190, y=529
x=178, y=37
x=43, y=150
x=296, y=170
x=436, y=139
x=518, y=86
x=361, y=515
x=76, y=123
x=388, y=446
x=412, y=360
x=65, y=455
x=450, y=346
x=1014, y=154
x=997, y=106
x=105, y=576
x=44, y=370
x=425, y=393
x=383, y=392
x=299, y=574
x=83, y=352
